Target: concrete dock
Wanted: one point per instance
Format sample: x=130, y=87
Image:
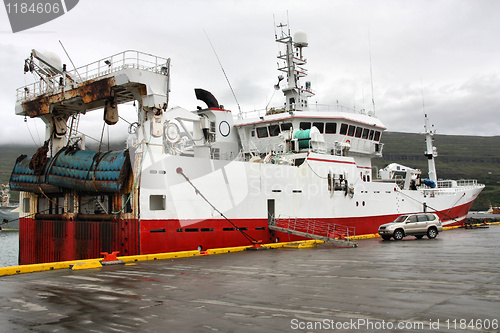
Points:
x=451, y=283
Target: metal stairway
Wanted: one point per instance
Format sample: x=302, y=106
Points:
x=338, y=235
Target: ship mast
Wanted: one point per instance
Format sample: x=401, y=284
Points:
x=431, y=151
x=296, y=95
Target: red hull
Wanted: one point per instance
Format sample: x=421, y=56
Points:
x=48, y=241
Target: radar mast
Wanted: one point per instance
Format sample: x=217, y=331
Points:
x=296, y=94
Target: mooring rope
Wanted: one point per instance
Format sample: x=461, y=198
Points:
x=434, y=209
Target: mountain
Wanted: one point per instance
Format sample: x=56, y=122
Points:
x=459, y=157
x=8, y=156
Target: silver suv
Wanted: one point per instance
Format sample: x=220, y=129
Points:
x=417, y=225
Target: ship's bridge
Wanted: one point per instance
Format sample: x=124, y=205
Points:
x=336, y=133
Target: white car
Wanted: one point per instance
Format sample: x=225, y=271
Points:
x=417, y=225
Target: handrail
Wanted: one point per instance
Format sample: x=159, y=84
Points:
x=312, y=107
x=448, y=183
x=315, y=227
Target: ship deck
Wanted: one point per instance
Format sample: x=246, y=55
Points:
x=452, y=279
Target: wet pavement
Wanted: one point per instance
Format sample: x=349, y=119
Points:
x=448, y=284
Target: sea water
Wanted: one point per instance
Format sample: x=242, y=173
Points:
x=9, y=248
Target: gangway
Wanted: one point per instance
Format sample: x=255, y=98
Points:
x=338, y=235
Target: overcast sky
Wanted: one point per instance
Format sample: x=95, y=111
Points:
x=446, y=51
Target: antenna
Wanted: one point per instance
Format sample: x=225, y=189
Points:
x=274, y=23
x=431, y=151
x=223, y=71
x=371, y=72
x=422, y=92
x=288, y=23
x=70, y=60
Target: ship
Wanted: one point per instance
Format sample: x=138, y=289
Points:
x=206, y=178
x=494, y=210
x=8, y=212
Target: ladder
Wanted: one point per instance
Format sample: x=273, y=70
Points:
x=336, y=234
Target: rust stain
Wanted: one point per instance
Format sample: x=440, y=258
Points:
x=89, y=91
x=144, y=90
x=97, y=90
x=117, y=202
x=37, y=107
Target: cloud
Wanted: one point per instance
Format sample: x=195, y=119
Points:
x=448, y=50
x=468, y=108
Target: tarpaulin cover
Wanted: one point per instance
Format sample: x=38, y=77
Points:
x=79, y=170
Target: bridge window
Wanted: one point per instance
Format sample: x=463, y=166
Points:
x=366, y=131
x=377, y=136
x=371, y=135
x=331, y=128
x=305, y=125
x=262, y=132
x=351, y=130
x=286, y=126
x=359, y=131
x=274, y=130
x=320, y=127
x=343, y=129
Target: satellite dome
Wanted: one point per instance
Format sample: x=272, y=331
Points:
x=300, y=39
x=54, y=59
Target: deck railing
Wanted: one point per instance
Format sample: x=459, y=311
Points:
x=312, y=107
x=456, y=183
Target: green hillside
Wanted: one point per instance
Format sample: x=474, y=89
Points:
x=8, y=156
x=460, y=157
